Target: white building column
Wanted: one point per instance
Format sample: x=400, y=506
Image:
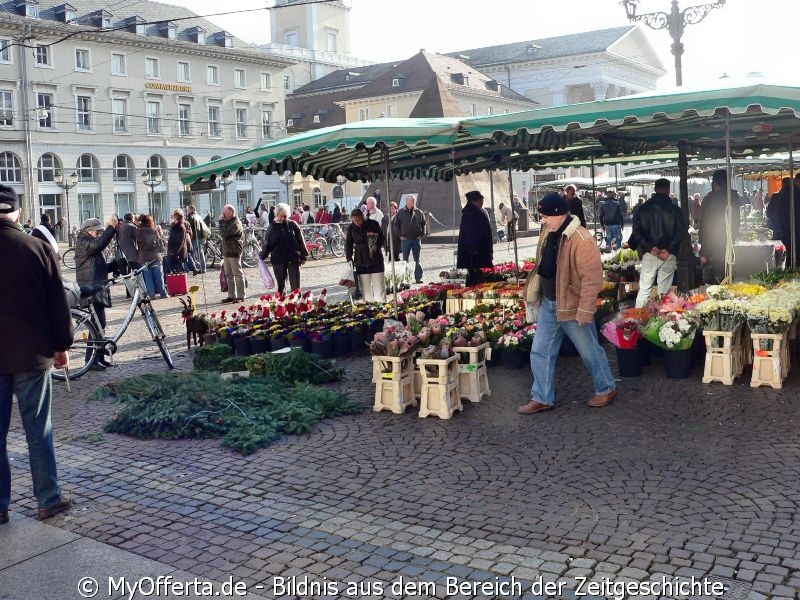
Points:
x=601, y=89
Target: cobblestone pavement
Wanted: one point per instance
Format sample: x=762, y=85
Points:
x=674, y=479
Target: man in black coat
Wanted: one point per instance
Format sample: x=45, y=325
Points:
x=474, y=238
x=713, y=235
x=36, y=333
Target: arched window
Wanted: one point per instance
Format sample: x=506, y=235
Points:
x=316, y=194
x=124, y=169
x=10, y=168
x=156, y=165
x=48, y=165
x=297, y=197
x=215, y=157
x=88, y=169
x=186, y=162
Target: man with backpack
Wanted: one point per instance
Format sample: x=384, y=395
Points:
x=611, y=217
x=200, y=233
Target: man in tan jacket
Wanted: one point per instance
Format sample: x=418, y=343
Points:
x=564, y=288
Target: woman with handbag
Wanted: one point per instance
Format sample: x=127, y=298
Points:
x=364, y=247
x=151, y=248
x=178, y=244
x=284, y=241
x=91, y=269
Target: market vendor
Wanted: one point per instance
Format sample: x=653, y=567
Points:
x=564, y=288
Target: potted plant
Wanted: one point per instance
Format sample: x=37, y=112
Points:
x=259, y=342
x=674, y=332
x=298, y=338
x=624, y=335
x=321, y=344
x=241, y=341
x=338, y=341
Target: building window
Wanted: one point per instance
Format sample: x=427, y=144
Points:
x=297, y=197
x=10, y=168
x=124, y=203
x=201, y=37
x=184, y=74
x=153, y=116
x=291, y=38
x=82, y=62
x=391, y=110
x=119, y=64
x=5, y=50
x=490, y=110
x=141, y=29
x=87, y=206
x=105, y=22
x=363, y=114
x=266, y=124
x=316, y=195
x=186, y=162
x=241, y=122
x=333, y=40
x=87, y=168
x=212, y=75
x=123, y=168
x=119, y=108
x=214, y=125
x=43, y=56
x=84, y=112
x=185, y=119
x=6, y=108
x=70, y=15
x=239, y=80
x=266, y=82
x=287, y=82
x=45, y=101
x=473, y=110
x=172, y=31
x=152, y=69
x=48, y=165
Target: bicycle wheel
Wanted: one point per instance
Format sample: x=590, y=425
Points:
x=85, y=345
x=211, y=255
x=337, y=246
x=317, y=249
x=68, y=258
x=157, y=333
x=250, y=255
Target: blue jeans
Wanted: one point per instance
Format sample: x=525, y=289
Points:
x=199, y=253
x=33, y=391
x=154, y=280
x=613, y=234
x=544, y=352
x=413, y=247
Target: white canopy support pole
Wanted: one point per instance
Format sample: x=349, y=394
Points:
x=729, y=253
x=513, y=220
x=456, y=205
x=792, y=210
x=385, y=157
x=594, y=200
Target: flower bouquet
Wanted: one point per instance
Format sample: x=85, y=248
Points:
x=622, y=333
x=393, y=341
x=441, y=351
x=671, y=330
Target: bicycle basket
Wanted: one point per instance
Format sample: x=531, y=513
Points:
x=134, y=283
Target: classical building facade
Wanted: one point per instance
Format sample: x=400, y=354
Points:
x=125, y=100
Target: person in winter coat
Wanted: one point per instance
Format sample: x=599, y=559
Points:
x=474, y=238
x=411, y=225
x=388, y=228
x=323, y=216
x=713, y=236
x=232, y=234
x=126, y=237
x=47, y=233
x=306, y=217
x=363, y=247
x=179, y=244
x=288, y=249
x=336, y=215
x=151, y=248
x=91, y=269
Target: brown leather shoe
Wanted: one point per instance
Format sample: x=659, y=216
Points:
x=63, y=505
x=601, y=400
x=3, y=517
x=533, y=406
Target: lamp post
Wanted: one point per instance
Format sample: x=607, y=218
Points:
x=675, y=21
x=287, y=179
x=226, y=181
x=152, y=182
x=66, y=186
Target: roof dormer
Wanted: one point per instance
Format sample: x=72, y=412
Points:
x=224, y=39
x=197, y=34
x=27, y=8
x=168, y=29
x=66, y=13
x=136, y=25
x=100, y=18
x=460, y=78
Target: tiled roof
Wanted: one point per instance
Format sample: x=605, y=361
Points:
x=574, y=44
x=345, y=78
x=149, y=12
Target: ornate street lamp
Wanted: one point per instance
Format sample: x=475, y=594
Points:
x=675, y=21
x=287, y=179
x=66, y=186
x=152, y=182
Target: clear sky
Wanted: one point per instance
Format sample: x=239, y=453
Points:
x=742, y=37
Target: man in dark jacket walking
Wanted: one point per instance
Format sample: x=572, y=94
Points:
x=38, y=327
x=611, y=216
x=474, y=238
x=713, y=226
x=410, y=224
x=658, y=228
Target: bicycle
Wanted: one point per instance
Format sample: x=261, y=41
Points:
x=90, y=342
x=335, y=239
x=110, y=253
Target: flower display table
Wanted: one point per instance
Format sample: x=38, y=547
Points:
x=770, y=359
x=473, y=378
x=393, y=377
x=440, y=390
x=724, y=355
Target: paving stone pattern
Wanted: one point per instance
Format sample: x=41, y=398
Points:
x=674, y=479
